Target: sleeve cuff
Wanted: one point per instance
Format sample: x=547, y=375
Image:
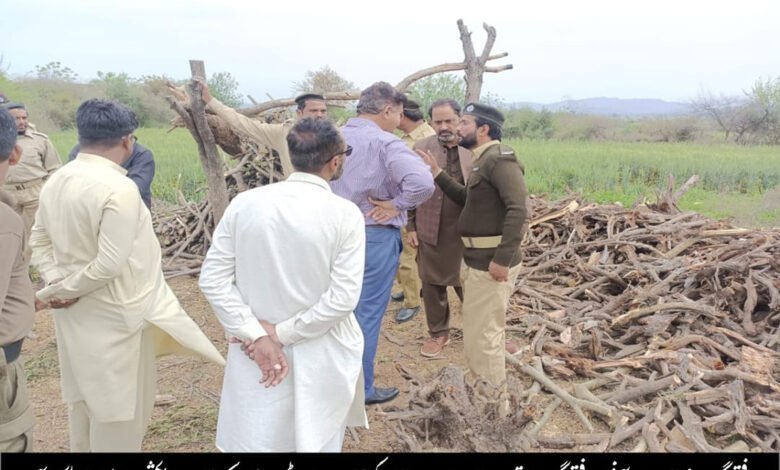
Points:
x=285, y=331
x=252, y=330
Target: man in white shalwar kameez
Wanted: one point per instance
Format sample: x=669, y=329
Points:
x=283, y=275
x=94, y=245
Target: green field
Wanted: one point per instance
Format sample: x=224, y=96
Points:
x=736, y=181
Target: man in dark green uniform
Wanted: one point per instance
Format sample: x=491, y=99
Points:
x=491, y=226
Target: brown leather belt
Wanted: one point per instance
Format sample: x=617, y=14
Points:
x=12, y=351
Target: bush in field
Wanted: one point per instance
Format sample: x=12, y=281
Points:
x=679, y=129
x=526, y=123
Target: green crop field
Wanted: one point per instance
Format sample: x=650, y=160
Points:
x=742, y=182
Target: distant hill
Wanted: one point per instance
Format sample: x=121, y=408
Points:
x=613, y=107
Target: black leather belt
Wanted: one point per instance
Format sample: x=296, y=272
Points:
x=12, y=351
x=391, y=227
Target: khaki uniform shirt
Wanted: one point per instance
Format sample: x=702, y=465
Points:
x=273, y=136
x=39, y=159
x=494, y=203
x=93, y=240
x=16, y=294
x=418, y=133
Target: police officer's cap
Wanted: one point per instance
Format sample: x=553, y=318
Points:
x=488, y=113
x=13, y=105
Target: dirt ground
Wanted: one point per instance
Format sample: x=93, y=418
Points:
x=191, y=387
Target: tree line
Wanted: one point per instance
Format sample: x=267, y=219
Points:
x=53, y=91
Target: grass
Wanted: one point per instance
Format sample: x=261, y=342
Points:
x=178, y=166
x=735, y=181
x=43, y=364
x=183, y=426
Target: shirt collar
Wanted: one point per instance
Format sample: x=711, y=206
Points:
x=93, y=159
x=417, y=132
x=481, y=149
x=300, y=177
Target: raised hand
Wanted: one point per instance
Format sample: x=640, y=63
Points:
x=430, y=160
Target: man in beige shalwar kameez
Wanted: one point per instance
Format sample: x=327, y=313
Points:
x=94, y=245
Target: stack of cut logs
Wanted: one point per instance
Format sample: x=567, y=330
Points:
x=185, y=231
x=652, y=329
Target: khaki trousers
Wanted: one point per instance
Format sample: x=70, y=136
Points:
x=16, y=417
x=484, y=323
x=90, y=435
x=26, y=203
x=407, y=275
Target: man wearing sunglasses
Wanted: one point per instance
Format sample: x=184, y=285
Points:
x=273, y=136
x=283, y=275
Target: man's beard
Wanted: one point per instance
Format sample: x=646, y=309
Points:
x=448, y=138
x=469, y=141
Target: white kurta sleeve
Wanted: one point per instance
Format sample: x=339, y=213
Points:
x=217, y=281
x=116, y=236
x=343, y=293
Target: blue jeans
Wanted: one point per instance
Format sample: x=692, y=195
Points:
x=383, y=249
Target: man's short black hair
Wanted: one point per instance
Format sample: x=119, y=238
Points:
x=412, y=111
x=7, y=134
x=313, y=143
x=104, y=123
x=302, y=99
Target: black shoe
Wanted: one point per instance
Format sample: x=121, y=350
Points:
x=406, y=314
x=399, y=297
x=382, y=395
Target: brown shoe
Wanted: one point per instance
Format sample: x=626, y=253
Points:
x=432, y=346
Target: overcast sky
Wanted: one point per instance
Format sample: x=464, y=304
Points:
x=560, y=49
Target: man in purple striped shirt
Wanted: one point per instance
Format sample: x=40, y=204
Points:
x=385, y=179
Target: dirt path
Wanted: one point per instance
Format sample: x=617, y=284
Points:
x=188, y=423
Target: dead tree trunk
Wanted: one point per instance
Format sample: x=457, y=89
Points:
x=476, y=66
x=195, y=121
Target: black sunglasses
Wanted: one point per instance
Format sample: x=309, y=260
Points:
x=346, y=152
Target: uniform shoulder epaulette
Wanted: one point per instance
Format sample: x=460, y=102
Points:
x=506, y=152
x=39, y=134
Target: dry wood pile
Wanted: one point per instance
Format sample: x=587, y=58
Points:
x=658, y=329
x=185, y=231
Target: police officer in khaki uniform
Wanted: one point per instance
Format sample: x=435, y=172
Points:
x=16, y=308
x=39, y=161
x=491, y=225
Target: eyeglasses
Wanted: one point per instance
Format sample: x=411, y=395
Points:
x=346, y=152
x=132, y=138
